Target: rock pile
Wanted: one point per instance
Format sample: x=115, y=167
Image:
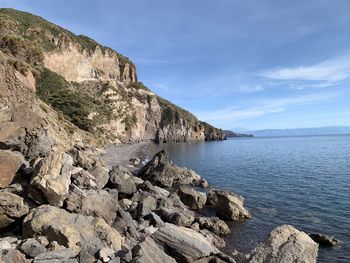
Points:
x=67, y=207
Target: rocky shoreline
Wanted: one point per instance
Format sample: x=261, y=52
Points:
x=69, y=207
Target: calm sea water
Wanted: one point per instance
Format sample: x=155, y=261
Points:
x=302, y=181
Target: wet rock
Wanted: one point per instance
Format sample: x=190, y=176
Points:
x=213, y=239
x=51, y=179
x=183, y=244
x=71, y=230
x=101, y=174
x=160, y=171
x=192, y=198
x=10, y=163
x=32, y=247
x=98, y=203
x=121, y=179
x=213, y=224
x=12, y=208
x=283, y=245
x=12, y=256
x=147, y=251
x=230, y=207
x=324, y=240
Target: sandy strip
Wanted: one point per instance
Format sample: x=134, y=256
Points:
x=121, y=154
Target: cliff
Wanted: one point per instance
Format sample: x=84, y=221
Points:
x=92, y=89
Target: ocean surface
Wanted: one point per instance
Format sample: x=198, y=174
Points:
x=302, y=181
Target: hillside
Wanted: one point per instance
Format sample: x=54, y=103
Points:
x=231, y=134
x=83, y=90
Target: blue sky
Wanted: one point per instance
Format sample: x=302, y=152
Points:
x=253, y=64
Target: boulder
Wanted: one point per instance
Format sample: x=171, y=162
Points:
x=125, y=224
x=55, y=256
x=324, y=240
x=12, y=256
x=230, y=207
x=213, y=239
x=12, y=208
x=160, y=171
x=73, y=231
x=154, y=190
x=213, y=224
x=183, y=244
x=101, y=174
x=10, y=163
x=98, y=203
x=83, y=179
x=51, y=179
x=121, y=179
x=192, y=198
x=106, y=254
x=283, y=245
x=147, y=251
x=146, y=206
x=155, y=220
x=32, y=247
x=175, y=217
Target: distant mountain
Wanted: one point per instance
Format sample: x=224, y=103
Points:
x=231, y=134
x=302, y=131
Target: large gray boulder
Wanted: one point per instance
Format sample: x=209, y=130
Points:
x=285, y=244
x=98, y=203
x=213, y=224
x=192, y=198
x=230, y=206
x=10, y=162
x=12, y=207
x=12, y=256
x=74, y=231
x=51, y=179
x=147, y=251
x=160, y=171
x=121, y=179
x=101, y=174
x=183, y=244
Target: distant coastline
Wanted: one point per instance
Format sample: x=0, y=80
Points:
x=231, y=134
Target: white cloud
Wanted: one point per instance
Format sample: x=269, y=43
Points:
x=328, y=71
x=264, y=107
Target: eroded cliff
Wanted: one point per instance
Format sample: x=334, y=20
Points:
x=89, y=85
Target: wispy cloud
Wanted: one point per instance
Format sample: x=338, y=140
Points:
x=263, y=107
x=326, y=72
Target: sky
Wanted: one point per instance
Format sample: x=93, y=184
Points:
x=253, y=64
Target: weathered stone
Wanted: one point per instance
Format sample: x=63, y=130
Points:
x=285, y=244
x=71, y=230
x=160, y=171
x=146, y=206
x=121, y=179
x=175, y=217
x=12, y=208
x=125, y=224
x=12, y=256
x=147, y=251
x=10, y=162
x=98, y=203
x=155, y=190
x=83, y=179
x=183, y=244
x=101, y=174
x=52, y=179
x=106, y=254
x=32, y=247
x=230, y=207
x=213, y=224
x=155, y=220
x=55, y=256
x=192, y=198
x=212, y=198
x=324, y=240
x=213, y=239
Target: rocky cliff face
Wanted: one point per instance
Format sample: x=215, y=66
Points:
x=89, y=85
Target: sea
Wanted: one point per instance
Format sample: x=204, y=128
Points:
x=301, y=181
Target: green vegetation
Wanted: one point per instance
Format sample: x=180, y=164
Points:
x=172, y=114
x=75, y=106
x=130, y=121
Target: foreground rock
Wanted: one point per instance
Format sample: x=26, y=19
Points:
x=9, y=165
x=147, y=251
x=51, y=179
x=324, y=240
x=183, y=244
x=228, y=205
x=121, y=179
x=285, y=244
x=160, y=171
x=213, y=224
x=84, y=234
x=12, y=208
x=192, y=198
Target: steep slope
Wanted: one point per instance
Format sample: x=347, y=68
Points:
x=92, y=86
